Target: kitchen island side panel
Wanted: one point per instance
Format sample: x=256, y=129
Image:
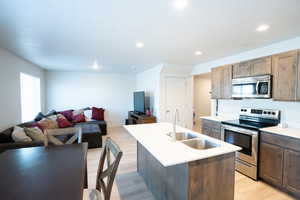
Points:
x=212, y=178
x=165, y=183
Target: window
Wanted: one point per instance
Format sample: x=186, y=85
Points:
x=30, y=97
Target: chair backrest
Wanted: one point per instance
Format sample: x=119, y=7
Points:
x=71, y=135
x=105, y=186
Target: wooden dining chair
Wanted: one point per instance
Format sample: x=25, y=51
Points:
x=106, y=172
x=52, y=134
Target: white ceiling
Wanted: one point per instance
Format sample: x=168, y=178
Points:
x=71, y=34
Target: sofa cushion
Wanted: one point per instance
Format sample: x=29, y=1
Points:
x=68, y=114
x=63, y=122
x=51, y=112
x=39, y=117
x=19, y=135
x=97, y=113
x=35, y=134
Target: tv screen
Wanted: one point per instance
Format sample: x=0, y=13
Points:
x=139, y=102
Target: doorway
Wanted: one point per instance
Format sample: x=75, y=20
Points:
x=177, y=94
x=202, y=99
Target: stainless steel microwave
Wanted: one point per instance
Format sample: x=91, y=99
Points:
x=252, y=87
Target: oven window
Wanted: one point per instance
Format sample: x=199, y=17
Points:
x=239, y=139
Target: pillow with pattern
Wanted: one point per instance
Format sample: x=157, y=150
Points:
x=35, y=134
x=48, y=124
x=63, y=122
x=19, y=135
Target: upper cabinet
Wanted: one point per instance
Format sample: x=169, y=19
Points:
x=285, y=68
x=260, y=66
x=221, y=82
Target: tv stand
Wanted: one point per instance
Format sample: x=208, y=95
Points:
x=134, y=118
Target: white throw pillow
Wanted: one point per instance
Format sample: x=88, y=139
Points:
x=52, y=117
x=19, y=135
x=77, y=112
x=88, y=114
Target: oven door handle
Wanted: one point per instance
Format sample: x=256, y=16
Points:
x=238, y=130
x=257, y=85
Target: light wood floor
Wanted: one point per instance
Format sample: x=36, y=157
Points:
x=245, y=188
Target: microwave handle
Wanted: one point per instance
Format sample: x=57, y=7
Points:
x=257, y=85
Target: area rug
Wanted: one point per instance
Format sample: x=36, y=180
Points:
x=131, y=186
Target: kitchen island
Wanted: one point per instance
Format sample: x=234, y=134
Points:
x=187, y=165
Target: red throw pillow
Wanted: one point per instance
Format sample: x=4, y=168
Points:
x=68, y=114
x=63, y=122
x=79, y=118
x=97, y=114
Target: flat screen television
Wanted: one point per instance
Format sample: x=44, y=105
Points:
x=139, y=102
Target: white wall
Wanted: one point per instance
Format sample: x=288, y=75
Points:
x=290, y=110
x=10, y=100
x=75, y=90
x=149, y=81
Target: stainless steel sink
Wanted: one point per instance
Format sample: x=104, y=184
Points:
x=179, y=136
x=200, y=144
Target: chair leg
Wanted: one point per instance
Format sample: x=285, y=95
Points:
x=46, y=139
x=79, y=133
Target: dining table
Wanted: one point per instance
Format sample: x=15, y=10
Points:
x=44, y=173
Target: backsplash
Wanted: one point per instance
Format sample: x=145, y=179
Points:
x=290, y=111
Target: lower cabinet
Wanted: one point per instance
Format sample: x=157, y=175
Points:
x=279, y=162
x=211, y=128
x=291, y=178
x=271, y=163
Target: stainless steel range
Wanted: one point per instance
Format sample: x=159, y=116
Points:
x=244, y=133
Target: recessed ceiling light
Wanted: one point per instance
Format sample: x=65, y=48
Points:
x=95, y=65
x=180, y=4
x=198, y=53
x=139, y=45
x=262, y=27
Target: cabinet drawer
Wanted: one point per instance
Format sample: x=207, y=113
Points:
x=283, y=141
x=211, y=124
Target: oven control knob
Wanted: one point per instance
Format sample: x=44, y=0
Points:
x=269, y=113
x=265, y=112
x=273, y=113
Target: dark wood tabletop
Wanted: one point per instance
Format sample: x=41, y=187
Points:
x=56, y=173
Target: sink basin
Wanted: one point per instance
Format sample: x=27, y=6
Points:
x=200, y=144
x=179, y=136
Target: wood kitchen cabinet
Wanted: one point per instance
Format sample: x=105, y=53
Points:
x=291, y=178
x=279, y=162
x=211, y=128
x=271, y=163
x=221, y=82
x=285, y=68
x=255, y=67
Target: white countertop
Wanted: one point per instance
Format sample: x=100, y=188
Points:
x=154, y=138
x=290, y=132
x=217, y=118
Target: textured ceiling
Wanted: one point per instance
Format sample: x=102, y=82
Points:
x=71, y=34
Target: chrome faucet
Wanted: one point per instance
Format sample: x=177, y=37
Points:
x=176, y=117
